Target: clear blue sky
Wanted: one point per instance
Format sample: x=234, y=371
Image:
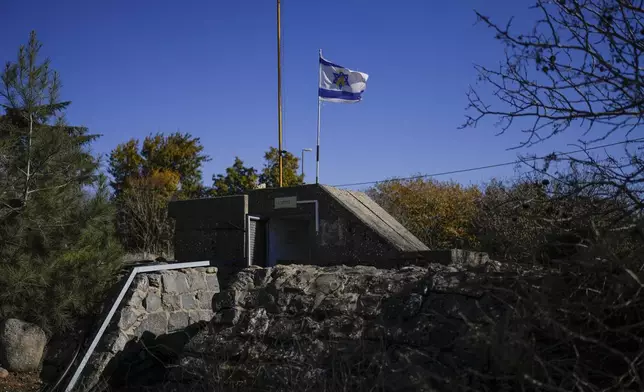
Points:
x=209, y=68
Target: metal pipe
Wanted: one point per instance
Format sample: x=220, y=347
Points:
x=279, y=90
x=303, y=151
x=317, y=154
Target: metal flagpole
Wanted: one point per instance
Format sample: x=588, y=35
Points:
x=279, y=91
x=317, y=156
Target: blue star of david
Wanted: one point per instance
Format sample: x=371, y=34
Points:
x=340, y=79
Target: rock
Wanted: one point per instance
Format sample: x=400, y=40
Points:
x=262, y=275
x=328, y=283
x=177, y=321
x=188, y=301
x=175, y=283
x=171, y=302
x=161, y=303
x=21, y=345
x=129, y=316
x=295, y=322
x=196, y=280
x=141, y=283
x=136, y=300
x=120, y=343
x=388, y=329
x=155, y=280
x=369, y=304
x=258, y=323
x=4, y=373
x=204, y=300
x=152, y=302
x=300, y=303
x=211, y=270
x=155, y=323
x=195, y=316
x=338, y=305
x=227, y=299
x=228, y=316
x=212, y=282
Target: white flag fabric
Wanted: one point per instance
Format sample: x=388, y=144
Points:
x=340, y=84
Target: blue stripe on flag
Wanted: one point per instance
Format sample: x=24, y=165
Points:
x=330, y=64
x=337, y=94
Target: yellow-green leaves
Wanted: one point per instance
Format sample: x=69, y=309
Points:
x=439, y=213
x=178, y=153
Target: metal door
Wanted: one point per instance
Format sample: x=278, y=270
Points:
x=256, y=241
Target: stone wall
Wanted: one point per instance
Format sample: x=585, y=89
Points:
x=308, y=328
x=157, y=304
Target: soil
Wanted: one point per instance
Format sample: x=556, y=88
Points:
x=25, y=382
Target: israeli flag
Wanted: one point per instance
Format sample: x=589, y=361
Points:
x=340, y=84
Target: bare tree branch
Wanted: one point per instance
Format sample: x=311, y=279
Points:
x=579, y=65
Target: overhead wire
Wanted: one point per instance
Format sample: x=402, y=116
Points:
x=477, y=168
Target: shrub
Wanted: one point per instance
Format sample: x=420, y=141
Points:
x=576, y=326
x=439, y=213
x=143, y=206
x=539, y=218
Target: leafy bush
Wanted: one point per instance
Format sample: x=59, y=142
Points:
x=535, y=218
x=543, y=217
x=143, y=214
x=439, y=213
x=574, y=327
x=178, y=152
x=505, y=224
x=145, y=177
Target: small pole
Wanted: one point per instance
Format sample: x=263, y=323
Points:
x=317, y=153
x=303, y=151
x=279, y=91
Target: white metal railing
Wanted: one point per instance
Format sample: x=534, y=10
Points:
x=119, y=298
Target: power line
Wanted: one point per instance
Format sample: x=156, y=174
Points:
x=471, y=169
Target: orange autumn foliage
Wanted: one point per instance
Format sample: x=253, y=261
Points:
x=439, y=213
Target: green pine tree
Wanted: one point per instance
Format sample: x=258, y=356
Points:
x=44, y=163
x=57, y=248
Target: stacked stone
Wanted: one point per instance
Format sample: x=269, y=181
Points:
x=168, y=301
x=159, y=303
x=307, y=328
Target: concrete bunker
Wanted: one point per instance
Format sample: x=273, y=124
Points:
x=309, y=224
